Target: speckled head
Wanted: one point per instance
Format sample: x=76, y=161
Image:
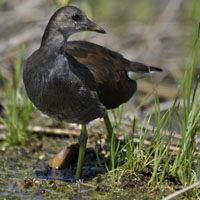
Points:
x=68, y=20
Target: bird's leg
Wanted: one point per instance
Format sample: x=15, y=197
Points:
x=111, y=136
x=82, y=148
x=108, y=126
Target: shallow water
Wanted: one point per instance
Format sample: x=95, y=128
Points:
x=18, y=179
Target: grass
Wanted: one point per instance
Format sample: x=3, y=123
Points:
x=17, y=106
x=157, y=161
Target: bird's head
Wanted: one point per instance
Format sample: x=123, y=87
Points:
x=69, y=19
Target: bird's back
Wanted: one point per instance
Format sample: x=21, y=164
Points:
x=109, y=71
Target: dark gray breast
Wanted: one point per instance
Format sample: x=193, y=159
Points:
x=61, y=87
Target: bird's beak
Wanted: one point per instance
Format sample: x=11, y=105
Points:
x=91, y=26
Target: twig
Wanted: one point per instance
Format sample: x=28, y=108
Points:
x=56, y=131
x=172, y=196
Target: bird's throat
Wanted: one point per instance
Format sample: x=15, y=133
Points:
x=52, y=37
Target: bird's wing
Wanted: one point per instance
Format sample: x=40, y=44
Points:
x=105, y=65
x=111, y=71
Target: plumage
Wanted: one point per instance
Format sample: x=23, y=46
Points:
x=110, y=70
x=78, y=81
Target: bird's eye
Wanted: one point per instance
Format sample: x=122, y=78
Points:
x=76, y=18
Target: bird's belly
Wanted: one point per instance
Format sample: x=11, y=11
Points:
x=63, y=92
x=76, y=104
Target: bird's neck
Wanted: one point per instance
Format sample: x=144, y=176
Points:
x=53, y=38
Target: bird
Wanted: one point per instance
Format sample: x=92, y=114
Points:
x=78, y=81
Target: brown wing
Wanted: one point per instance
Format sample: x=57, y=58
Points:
x=104, y=64
x=108, y=69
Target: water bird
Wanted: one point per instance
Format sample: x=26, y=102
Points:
x=78, y=81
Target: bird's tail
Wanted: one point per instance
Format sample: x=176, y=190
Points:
x=138, y=70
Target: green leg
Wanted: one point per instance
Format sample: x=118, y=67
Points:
x=108, y=126
x=82, y=148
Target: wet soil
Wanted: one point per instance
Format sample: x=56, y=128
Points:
x=23, y=175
